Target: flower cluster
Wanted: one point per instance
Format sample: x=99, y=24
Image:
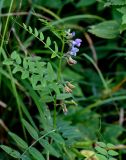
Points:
x=73, y=44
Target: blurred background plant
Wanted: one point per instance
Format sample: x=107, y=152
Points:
x=96, y=108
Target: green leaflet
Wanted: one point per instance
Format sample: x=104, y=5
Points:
x=30, y=129
x=20, y=142
x=41, y=36
x=108, y=29
x=50, y=73
x=36, y=33
x=101, y=150
x=30, y=29
x=101, y=144
x=48, y=42
x=112, y=153
x=101, y=157
x=36, y=154
x=10, y=151
x=49, y=147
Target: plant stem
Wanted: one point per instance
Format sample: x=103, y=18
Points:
x=4, y=32
x=47, y=11
x=60, y=62
x=5, y=28
x=58, y=79
x=47, y=157
x=15, y=93
x=102, y=102
x=37, y=141
x=59, y=69
x=54, y=117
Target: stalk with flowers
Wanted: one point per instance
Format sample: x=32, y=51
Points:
x=72, y=52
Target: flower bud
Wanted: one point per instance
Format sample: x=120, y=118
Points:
x=69, y=35
x=67, y=89
x=71, y=61
x=65, y=111
x=70, y=85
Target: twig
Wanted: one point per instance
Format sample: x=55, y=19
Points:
x=19, y=41
x=3, y=125
x=90, y=42
x=118, y=147
x=2, y=104
x=22, y=14
x=121, y=116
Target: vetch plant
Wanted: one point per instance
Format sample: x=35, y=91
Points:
x=61, y=100
x=52, y=89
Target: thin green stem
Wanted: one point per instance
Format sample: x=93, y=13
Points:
x=60, y=61
x=58, y=79
x=36, y=142
x=102, y=102
x=54, y=116
x=14, y=91
x=4, y=32
x=47, y=11
x=59, y=69
x=67, y=153
x=37, y=38
x=5, y=28
x=47, y=155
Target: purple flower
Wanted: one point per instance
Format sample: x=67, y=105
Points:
x=74, y=51
x=73, y=34
x=77, y=42
x=73, y=46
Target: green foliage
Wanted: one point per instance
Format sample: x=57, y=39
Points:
x=20, y=142
x=30, y=129
x=82, y=3
x=120, y=6
x=107, y=29
x=49, y=148
x=36, y=154
x=117, y=2
x=104, y=152
x=41, y=76
x=41, y=38
x=34, y=72
x=10, y=151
